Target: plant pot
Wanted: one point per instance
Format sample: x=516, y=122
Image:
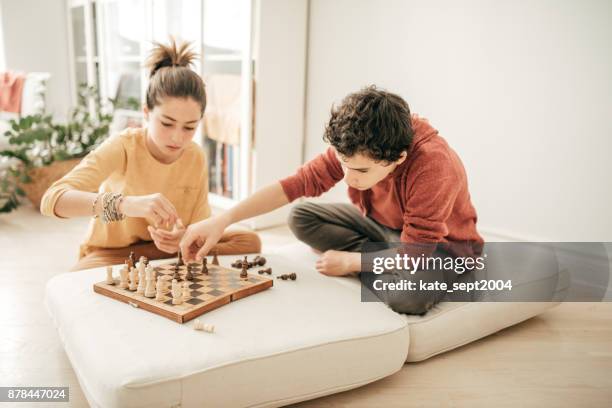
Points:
x=43, y=177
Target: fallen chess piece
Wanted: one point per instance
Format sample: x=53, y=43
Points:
x=285, y=276
x=267, y=270
x=198, y=325
x=259, y=261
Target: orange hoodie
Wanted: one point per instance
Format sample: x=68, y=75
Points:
x=426, y=197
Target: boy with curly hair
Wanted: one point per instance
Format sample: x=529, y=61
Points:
x=404, y=181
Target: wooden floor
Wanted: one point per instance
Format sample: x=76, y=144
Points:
x=562, y=358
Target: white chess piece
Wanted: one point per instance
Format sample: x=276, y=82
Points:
x=198, y=325
x=123, y=276
x=177, y=297
x=109, y=275
x=141, y=279
x=159, y=290
x=186, y=290
x=150, y=282
x=133, y=279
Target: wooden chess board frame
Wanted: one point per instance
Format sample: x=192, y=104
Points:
x=184, y=312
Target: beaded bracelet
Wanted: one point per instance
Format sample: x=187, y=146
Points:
x=110, y=203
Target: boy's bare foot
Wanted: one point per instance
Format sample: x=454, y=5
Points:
x=338, y=263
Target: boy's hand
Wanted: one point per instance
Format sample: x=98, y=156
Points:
x=168, y=241
x=201, y=237
x=338, y=263
x=155, y=208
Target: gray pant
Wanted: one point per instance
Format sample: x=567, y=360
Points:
x=342, y=227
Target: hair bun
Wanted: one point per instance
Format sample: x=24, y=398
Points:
x=169, y=55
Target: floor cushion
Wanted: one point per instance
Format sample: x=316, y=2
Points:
x=295, y=341
x=449, y=325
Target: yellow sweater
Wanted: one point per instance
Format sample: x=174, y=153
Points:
x=123, y=164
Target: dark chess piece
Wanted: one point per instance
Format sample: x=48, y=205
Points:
x=267, y=270
x=145, y=261
x=293, y=276
x=205, y=266
x=259, y=260
x=176, y=275
x=237, y=263
x=131, y=260
x=283, y=276
x=180, y=262
x=244, y=274
x=189, y=275
x=215, y=260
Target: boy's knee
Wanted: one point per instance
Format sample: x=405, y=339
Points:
x=301, y=216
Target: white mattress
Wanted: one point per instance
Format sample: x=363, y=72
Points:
x=296, y=341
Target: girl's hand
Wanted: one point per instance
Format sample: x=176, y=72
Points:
x=168, y=241
x=155, y=208
x=202, y=236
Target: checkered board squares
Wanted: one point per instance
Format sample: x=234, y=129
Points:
x=207, y=291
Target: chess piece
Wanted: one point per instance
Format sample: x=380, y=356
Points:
x=293, y=276
x=176, y=275
x=205, y=266
x=189, y=275
x=267, y=270
x=131, y=260
x=133, y=279
x=177, y=293
x=109, y=276
x=186, y=290
x=180, y=262
x=244, y=274
x=123, y=277
x=198, y=325
x=140, y=288
x=237, y=263
x=159, y=290
x=141, y=277
x=259, y=260
x=146, y=261
x=150, y=286
x=215, y=260
x=285, y=276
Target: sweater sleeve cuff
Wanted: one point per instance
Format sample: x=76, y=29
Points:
x=292, y=188
x=47, y=204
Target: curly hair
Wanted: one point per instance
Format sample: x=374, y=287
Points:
x=372, y=122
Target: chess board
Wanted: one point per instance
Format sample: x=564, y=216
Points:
x=208, y=291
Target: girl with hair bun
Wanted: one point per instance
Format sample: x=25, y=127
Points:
x=143, y=186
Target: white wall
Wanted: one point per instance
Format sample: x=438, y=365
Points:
x=521, y=89
x=35, y=40
x=2, y=58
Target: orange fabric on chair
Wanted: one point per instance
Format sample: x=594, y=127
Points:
x=11, y=89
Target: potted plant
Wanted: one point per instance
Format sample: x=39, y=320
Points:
x=42, y=151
